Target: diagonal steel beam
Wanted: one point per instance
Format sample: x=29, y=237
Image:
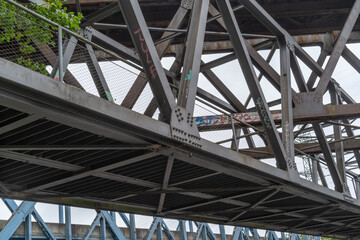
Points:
x=113, y=45
x=16, y=219
x=95, y=70
x=351, y=58
x=339, y=145
x=100, y=14
x=98, y=170
x=223, y=90
x=13, y=206
x=338, y=48
x=148, y=56
x=141, y=81
x=166, y=179
x=253, y=84
x=157, y=221
x=111, y=225
x=254, y=205
x=94, y=223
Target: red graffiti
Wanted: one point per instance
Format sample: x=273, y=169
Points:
x=145, y=50
x=153, y=71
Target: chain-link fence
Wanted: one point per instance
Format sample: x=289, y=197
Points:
x=35, y=42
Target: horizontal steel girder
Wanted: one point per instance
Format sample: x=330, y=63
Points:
x=329, y=112
x=301, y=149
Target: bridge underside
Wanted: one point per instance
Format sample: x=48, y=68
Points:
x=60, y=144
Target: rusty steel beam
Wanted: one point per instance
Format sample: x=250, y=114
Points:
x=328, y=112
x=301, y=149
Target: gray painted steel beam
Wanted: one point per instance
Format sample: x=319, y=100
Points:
x=255, y=89
x=95, y=171
x=100, y=14
x=140, y=83
x=287, y=120
x=166, y=179
x=148, y=56
x=351, y=58
x=225, y=92
x=339, y=146
x=96, y=72
x=192, y=58
x=338, y=48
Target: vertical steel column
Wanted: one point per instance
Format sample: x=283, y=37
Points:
x=68, y=223
x=253, y=84
x=60, y=53
x=148, y=56
x=339, y=146
x=182, y=229
x=204, y=233
x=235, y=142
x=191, y=228
x=102, y=229
x=222, y=232
x=318, y=131
x=192, y=60
x=314, y=171
x=286, y=104
x=159, y=232
x=61, y=214
x=132, y=227
x=28, y=227
x=357, y=187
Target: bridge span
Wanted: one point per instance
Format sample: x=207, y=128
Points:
x=75, y=136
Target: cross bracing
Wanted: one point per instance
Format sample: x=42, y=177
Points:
x=105, y=225
x=63, y=145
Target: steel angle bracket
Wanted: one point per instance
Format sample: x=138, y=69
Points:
x=184, y=128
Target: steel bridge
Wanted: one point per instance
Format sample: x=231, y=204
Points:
x=111, y=128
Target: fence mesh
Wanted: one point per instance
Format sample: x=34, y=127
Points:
x=33, y=43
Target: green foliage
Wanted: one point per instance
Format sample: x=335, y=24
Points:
x=32, y=65
x=22, y=27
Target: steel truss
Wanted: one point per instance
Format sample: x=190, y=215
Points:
x=241, y=190
x=106, y=222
